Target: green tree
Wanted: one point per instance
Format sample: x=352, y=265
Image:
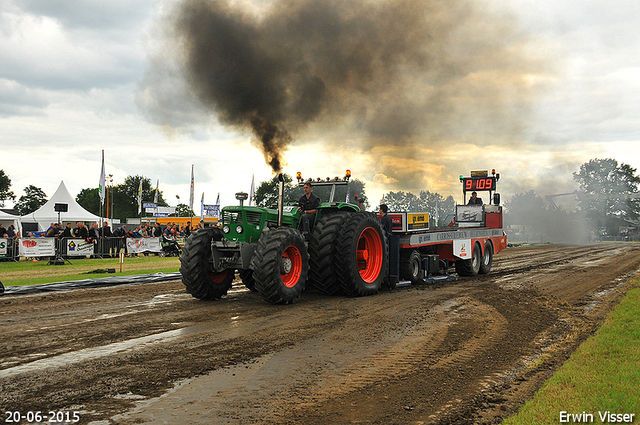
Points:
x=5, y=184
x=89, y=199
x=433, y=203
x=528, y=217
x=403, y=201
x=183, y=210
x=605, y=187
x=33, y=199
x=526, y=209
x=123, y=197
x=267, y=192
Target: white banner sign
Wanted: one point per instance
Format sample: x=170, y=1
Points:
x=4, y=243
x=136, y=245
x=37, y=247
x=160, y=211
x=469, y=213
x=79, y=247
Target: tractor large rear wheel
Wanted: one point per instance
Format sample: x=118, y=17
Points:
x=362, y=255
x=322, y=273
x=280, y=265
x=196, y=267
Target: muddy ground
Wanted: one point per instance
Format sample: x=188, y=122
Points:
x=464, y=352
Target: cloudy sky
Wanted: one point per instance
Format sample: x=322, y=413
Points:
x=532, y=89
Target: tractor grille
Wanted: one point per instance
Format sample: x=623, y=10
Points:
x=231, y=217
x=253, y=218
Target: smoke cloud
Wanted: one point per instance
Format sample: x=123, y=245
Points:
x=400, y=74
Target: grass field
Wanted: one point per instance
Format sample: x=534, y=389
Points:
x=30, y=273
x=601, y=378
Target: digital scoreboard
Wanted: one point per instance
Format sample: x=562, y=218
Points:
x=475, y=183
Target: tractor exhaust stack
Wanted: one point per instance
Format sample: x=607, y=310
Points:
x=280, y=198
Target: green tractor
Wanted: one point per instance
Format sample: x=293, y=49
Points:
x=345, y=252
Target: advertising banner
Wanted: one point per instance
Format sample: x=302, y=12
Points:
x=211, y=210
x=469, y=213
x=137, y=245
x=79, y=247
x=4, y=243
x=417, y=221
x=37, y=247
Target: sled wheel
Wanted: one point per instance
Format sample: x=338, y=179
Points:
x=411, y=269
x=487, y=258
x=470, y=267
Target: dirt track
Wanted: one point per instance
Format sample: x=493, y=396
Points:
x=470, y=351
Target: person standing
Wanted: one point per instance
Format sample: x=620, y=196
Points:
x=106, y=230
x=387, y=224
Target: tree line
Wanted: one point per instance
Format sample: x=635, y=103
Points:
x=123, y=198
x=604, y=186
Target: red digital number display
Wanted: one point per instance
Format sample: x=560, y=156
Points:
x=487, y=183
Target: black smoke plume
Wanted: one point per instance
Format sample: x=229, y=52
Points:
x=400, y=73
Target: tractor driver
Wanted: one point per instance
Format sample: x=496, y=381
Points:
x=308, y=205
x=474, y=200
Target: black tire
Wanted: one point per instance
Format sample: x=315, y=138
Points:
x=487, y=258
x=362, y=255
x=411, y=268
x=280, y=265
x=322, y=273
x=198, y=276
x=470, y=267
x=247, y=279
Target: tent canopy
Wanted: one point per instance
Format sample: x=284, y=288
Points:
x=8, y=219
x=46, y=214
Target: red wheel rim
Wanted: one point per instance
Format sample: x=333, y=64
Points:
x=369, y=255
x=218, y=277
x=291, y=266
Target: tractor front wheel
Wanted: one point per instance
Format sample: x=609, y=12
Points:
x=247, y=279
x=280, y=265
x=196, y=267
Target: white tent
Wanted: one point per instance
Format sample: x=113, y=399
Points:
x=46, y=214
x=8, y=219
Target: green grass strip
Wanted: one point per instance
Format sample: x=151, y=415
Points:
x=30, y=273
x=603, y=375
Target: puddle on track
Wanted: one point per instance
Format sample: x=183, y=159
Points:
x=94, y=353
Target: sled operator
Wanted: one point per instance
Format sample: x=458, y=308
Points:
x=474, y=200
